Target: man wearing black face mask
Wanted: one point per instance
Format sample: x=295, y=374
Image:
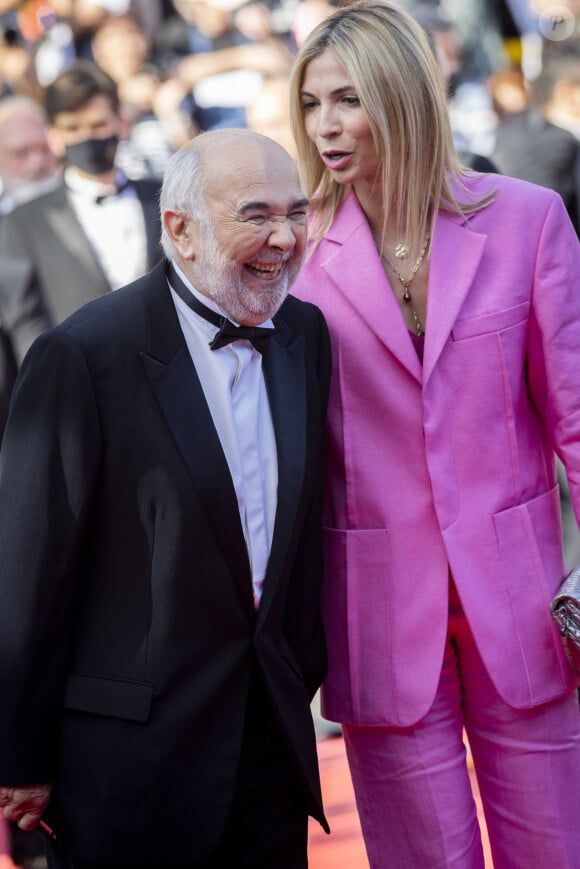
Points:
x=97, y=231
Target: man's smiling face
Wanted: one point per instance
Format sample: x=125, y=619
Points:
x=252, y=246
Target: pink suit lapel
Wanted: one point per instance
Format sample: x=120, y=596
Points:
x=353, y=265
x=456, y=252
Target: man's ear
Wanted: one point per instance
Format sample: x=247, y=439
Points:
x=183, y=232
x=56, y=142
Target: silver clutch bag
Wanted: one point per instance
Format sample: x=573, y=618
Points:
x=565, y=609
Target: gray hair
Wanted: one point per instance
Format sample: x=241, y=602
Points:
x=182, y=190
x=18, y=105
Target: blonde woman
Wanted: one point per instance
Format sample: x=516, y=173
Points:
x=453, y=302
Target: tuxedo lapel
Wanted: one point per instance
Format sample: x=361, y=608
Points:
x=63, y=222
x=178, y=390
x=285, y=375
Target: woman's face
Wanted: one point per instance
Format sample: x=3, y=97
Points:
x=336, y=122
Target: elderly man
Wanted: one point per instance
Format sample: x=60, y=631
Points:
x=160, y=551
x=28, y=166
x=95, y=232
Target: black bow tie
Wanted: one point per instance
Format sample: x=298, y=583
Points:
x=115, y=190
x=227, y=331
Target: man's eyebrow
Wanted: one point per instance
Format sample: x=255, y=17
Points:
x=258, y=205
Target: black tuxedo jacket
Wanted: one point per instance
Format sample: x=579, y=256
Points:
x=127, y=625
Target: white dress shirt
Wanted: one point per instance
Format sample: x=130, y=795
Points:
x=235, y=390
x=115, y=227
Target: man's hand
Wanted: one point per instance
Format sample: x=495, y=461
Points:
x=25, y=804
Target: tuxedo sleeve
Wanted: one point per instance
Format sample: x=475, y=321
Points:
x=48, y=467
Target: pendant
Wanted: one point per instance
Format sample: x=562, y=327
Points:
x=407, y=296
x=401, y=250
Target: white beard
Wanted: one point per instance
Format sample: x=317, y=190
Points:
x=224, y=281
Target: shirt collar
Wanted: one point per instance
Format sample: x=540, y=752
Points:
x=80, y=185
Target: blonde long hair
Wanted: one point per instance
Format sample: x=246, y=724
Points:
x=390, y=62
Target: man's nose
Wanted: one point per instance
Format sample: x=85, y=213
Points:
x=41, y=157
x=38, y=163
x=282, y=235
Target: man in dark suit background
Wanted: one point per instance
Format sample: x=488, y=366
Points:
x=160, y=543
x=28, y=168
x=527, y=144
x=95, y=232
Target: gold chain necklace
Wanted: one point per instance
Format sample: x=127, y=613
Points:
x=407, y=298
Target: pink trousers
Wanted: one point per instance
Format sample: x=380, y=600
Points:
x=412, y=786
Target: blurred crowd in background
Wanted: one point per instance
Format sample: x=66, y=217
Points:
x=183, y=66
x=512, y=69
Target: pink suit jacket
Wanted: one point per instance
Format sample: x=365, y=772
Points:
x=449, y=467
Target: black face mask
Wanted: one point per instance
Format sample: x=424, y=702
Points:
x=93, y=156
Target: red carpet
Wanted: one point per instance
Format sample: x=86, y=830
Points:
x=344, y=848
